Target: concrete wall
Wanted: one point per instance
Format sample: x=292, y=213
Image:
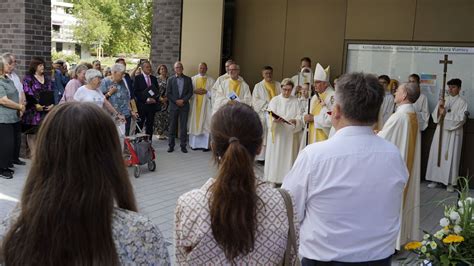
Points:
x=25, y=30
x=202, y=35
x=280, y=32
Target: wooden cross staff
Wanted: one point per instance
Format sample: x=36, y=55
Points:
x=445, y=62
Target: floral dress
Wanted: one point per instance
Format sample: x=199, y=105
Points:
x=33, y=88
x=137, y=240
x=162, y=117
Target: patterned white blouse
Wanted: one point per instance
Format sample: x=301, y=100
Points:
x=137, y=240
x=195, y=244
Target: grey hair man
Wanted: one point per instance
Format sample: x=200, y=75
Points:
x=402, y=130
x=357, y=206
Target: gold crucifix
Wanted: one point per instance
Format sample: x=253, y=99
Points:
x=445, y=62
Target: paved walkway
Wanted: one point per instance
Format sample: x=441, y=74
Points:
x=177, y=173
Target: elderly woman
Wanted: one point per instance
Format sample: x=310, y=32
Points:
x=9, y=60
x=118, y=95
x=162, y=117
x=78, y=80
x=36, y=85
x=10, y=112
x=91, y=93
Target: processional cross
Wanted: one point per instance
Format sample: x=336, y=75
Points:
x=445, y=62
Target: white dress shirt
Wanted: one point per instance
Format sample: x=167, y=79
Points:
x=348, y=191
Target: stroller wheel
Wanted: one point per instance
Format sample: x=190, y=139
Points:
x=151, y=166
x=136, y=171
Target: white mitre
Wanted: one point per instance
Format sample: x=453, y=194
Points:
x=321, y=74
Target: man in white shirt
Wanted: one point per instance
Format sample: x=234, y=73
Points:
x=348, y=189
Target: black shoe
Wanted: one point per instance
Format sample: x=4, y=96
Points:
x=19, y=162
x=206, y=150
x=4, y=173
x=10, y=165
x=184, y=150
x=9, y=170
x=170, y=149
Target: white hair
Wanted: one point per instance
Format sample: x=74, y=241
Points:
x=117, y=68
x=92, y=74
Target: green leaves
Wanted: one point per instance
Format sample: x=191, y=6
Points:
x=119, y=26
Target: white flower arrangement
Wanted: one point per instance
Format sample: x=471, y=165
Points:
x=453, y=243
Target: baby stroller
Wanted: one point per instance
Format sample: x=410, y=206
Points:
x=140, y=152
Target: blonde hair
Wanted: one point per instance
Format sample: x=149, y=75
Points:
x=287, y=81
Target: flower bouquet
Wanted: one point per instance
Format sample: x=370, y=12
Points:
x=453, y=244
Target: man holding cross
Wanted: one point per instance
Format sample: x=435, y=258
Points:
x=453, y=109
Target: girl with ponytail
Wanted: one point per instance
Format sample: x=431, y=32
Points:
x=234, y=218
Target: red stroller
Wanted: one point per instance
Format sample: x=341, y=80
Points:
x=140, y=151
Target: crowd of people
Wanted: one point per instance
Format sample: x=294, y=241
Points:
x=348, y=155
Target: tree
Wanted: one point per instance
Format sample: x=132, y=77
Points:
x=121, y=26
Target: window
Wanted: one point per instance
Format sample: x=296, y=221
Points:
x=56, y=28
x=59, y=47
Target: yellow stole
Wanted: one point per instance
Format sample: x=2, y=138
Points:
x=317, y=134
x=412, y=134
x=234, y=85
x=200, y=84
x=271, y=90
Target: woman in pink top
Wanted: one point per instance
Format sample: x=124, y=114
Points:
x=74, y=84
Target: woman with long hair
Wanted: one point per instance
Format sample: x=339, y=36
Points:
x=162, y=117
x=234, y=218
x=78, y=206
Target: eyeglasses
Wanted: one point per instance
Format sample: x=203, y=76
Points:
x=233, y=69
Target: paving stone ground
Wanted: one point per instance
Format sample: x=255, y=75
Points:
x=176, y=173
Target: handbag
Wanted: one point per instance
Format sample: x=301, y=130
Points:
x=291, y=241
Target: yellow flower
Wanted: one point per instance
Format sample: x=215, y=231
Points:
x=453, y=239
x=413, y=245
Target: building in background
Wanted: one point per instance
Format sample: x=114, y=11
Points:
x=62, y=22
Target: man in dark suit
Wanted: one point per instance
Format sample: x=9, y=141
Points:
x=179, y=90
x=146, y=92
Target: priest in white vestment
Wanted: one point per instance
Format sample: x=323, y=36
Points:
x=454, y=109
x=199, y=120
x=388, y=104
x=220, y=79
x=233, y=88
x=319, y=118
x=421, y=105
x=282, y=139
x=262, y=93
x=305, y=75
x=402, y=130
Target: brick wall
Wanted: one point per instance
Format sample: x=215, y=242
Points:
x=25, y=30
x=166, y=33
